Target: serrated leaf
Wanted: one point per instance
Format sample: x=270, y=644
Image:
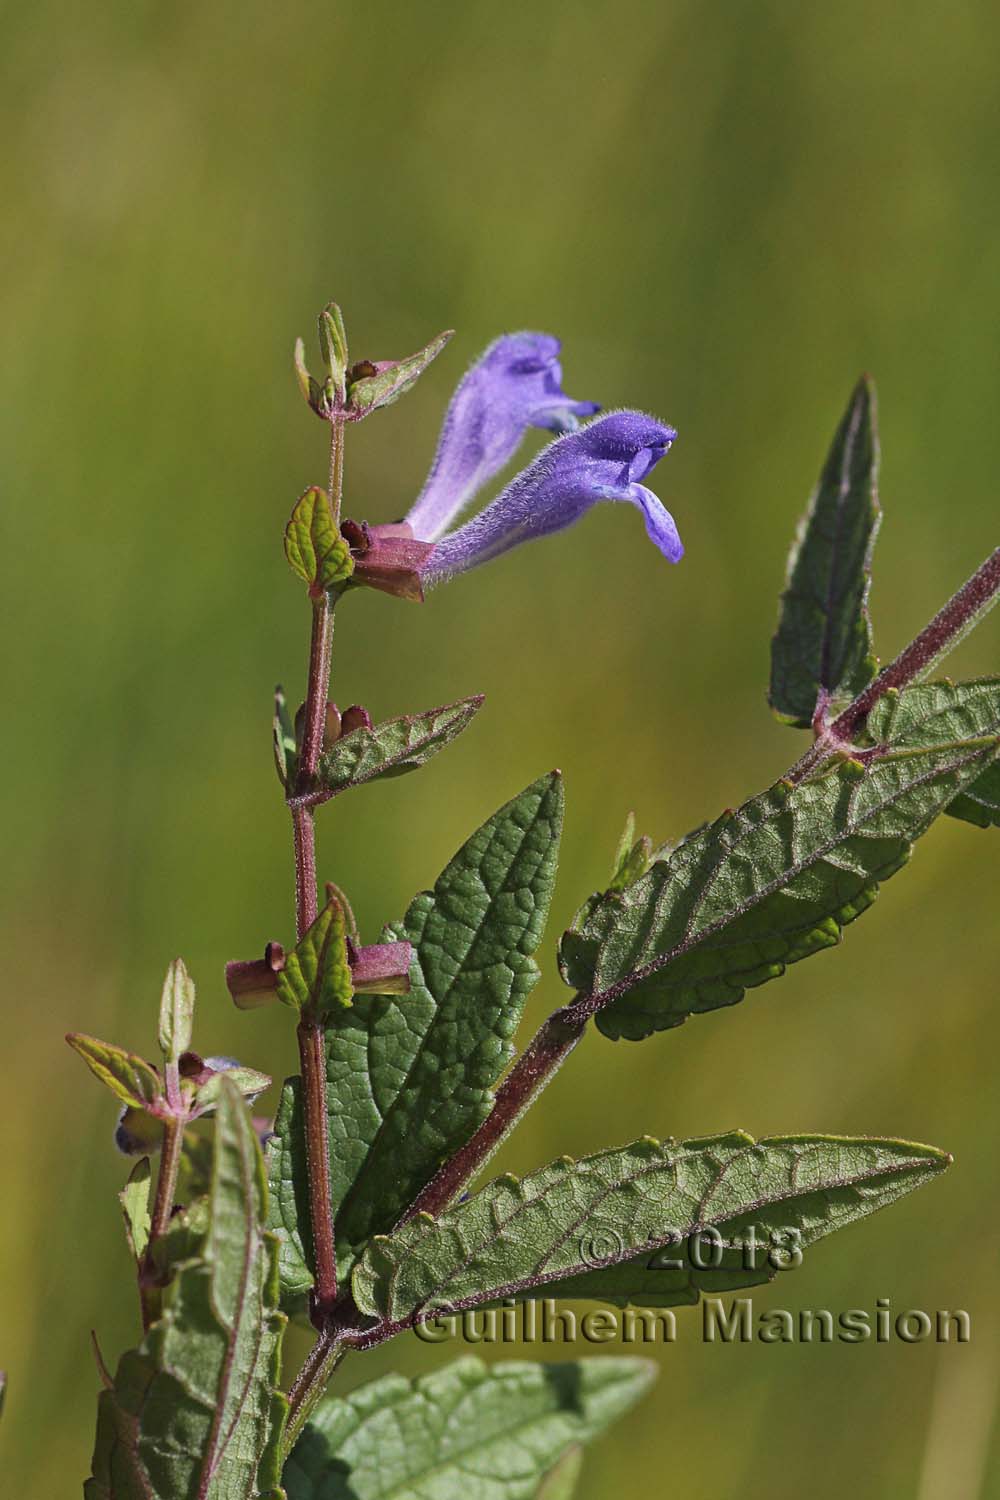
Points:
x=134, y=1199
x=317, y=973
x=194, y=1410
x=128, y=1076
x=393, y=747
x=380, y=383
x=823, y=643
x=762, y=887
x=314, y=547
x=936, y=712
x=546, y=1233
x=176, y=1011
x=469, y=1430
x=410, y=1078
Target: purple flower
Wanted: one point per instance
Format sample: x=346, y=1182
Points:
x=605, y=460
x=515, y=385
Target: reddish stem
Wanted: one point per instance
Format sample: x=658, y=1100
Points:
x=537, y=1065
x=163, y=1207
x=971, y=601
x=312, y=1055
x=948, y=624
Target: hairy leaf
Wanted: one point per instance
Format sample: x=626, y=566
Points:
x=130, y=1077
x=194, y=1411
x=314, y=547
x=934, y=713
x=410, y=1077
x=372, y=384
x=176, y=1011
x=760, y=888
x=394, y=747
x=134, y=1199
x=317, y=973
x=823, y=644
x=469, y=1430
x=547, y=1233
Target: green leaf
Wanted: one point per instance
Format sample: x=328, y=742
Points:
x=285, y=747
x=547, y=1233
x=134, y=1199
x=131, y=1078
x=561, y=1481
x=194, y=1410
x=937, y=712
x=176, y=1011
x=469, y=1430
x=314, y=547
x=823, y=644
x=409, y=1078
x=248, y=1081
x=371, y=385
x=394, y=747
x=632, y=858
x=760, y=888
x=333, y=344
x=317, y=973
x=312, y=391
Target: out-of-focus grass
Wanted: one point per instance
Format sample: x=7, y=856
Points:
x=727, y=212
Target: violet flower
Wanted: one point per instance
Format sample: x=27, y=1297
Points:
x=605, y=460
x=515, y=385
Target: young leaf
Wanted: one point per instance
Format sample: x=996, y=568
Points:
x=130, y=1077
x=248, y=1081
x=760, y=888
x=194, y=1409
x=176, y=1011
x=823, y=646
x=134, y=1199
x=317, y=974
x=410, y=1078
x=935, y=713
x=374, y=384
x=546, y=1233
x=333, y=344
x=492, y=1432
x=314, y=547
x=393, y=747
x=283, y=738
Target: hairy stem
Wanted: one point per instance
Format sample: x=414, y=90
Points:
x=310, y=1383
x=537, y=1065
x=163, y=1207
x=310, y=1032
x=336, y=465
x=963, y=610
x=312, y=1056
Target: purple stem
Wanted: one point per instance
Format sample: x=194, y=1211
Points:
x=312, y=1056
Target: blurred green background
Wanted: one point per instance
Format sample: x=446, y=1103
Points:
x=727, y=211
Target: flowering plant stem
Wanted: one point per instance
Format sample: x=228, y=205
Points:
x=163, y=1206
x=559, y=1034
x=954, y=620
x=310, y=1029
